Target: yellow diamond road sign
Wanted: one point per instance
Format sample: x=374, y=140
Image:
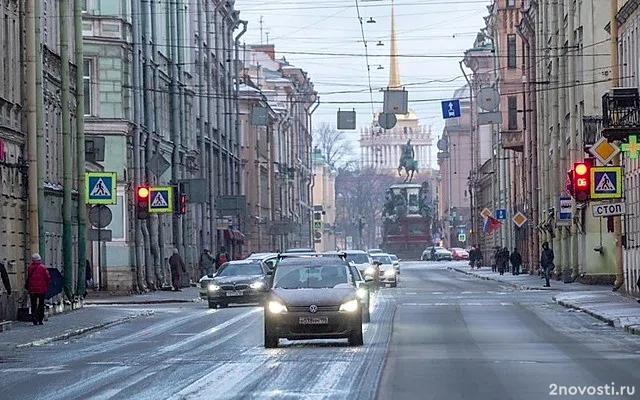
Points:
x=604, y=151
x=519, y=219
x=486, y=213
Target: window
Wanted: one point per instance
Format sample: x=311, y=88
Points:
x=513, y=113
x=88, y=65
x=511, y=3
x=511, y=50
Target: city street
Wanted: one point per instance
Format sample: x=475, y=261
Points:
x=439, y=335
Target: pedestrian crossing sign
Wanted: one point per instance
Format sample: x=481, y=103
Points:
x=100, y=188
x=161, y=199
x=606, y=182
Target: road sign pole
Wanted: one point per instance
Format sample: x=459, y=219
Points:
x=101, y=286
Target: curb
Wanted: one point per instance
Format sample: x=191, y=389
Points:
x=512, y=284
x=597, y=316
x=78, y=332
x=141, y=302
x=5, y=326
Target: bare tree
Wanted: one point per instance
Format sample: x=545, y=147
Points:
x=335, y=146
x=361, y=194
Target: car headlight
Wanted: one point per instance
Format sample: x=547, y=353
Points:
x=276, y=308
x=257, y=285
x=212, y=287
x=362, y=293
x=370, y=271
x=349, y=306
x=389, y=272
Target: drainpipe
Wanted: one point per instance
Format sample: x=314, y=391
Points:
x=175, y=119
x=219, y=94
x=563, y=132
x=150, y=122
x=203, y=98
x=554, y=163
x=150, y=140
x=80, y=111
x=34, y=217
x=576, y=151
x=39, y=135
x=137, y=179
x=211, y=45
x=231, y=24
x=236, y=95
x=67, y=159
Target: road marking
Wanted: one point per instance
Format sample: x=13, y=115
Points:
x=468, y=304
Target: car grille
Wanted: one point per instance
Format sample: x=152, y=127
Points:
x=320, y=308
x=240, y=286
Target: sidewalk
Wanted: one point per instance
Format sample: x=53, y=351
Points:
x=187, y=295
x=93, y=316
x=599, y=301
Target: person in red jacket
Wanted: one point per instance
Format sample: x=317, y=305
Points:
x=37, y=284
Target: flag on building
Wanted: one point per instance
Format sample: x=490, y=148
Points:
x=490, y=224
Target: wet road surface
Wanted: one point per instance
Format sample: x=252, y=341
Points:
x=439, y=335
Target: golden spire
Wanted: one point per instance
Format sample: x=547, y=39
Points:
x=394, y=69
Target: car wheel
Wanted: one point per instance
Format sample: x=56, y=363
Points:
x=213, y=304
x=394, y=284
x=270, y=340
x=366, y=314
x=356, y=338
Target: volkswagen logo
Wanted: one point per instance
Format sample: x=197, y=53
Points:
x=313, y=308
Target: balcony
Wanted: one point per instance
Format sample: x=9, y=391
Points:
x=513, y=140
x=620, y=113
x=591, y=126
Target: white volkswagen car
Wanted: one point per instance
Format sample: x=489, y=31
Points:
x=388, y=274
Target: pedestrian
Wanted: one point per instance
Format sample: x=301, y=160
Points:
x=472, y=257
x=516, y=261
x=496, y=258
x=88, y=276
x=176, y=263
x=206, y=263
x=37, y=284
x=221, y=258
x=5, y=278
x=503, y=263
x=546, y=262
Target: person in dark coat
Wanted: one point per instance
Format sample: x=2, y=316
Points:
x=503, y=260
x=206, y=263
x=176, y=263
x=516, y=262
x=546, y=262
x=5, y=278
x=37, y=284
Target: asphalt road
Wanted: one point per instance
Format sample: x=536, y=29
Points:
x=440, y=335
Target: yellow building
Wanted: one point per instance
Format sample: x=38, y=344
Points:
x=324, y=203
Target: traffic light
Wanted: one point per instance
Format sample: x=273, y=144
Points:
x=581, y=182
x=142, y=202
x=180, y=200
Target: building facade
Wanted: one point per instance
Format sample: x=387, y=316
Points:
x=324, y=204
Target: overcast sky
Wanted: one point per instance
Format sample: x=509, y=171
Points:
x=432, y=36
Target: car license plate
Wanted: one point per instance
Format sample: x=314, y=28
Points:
x=313, y=320
x=235, y=293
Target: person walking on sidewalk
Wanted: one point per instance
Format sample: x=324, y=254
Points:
x=516, y=261
x=502, y=259
x=206, y=263
x=176, y=263
x=546, y=262
x=221, y=258
x=37, y=284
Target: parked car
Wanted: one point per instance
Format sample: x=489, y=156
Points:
x=375, y=251
x=268, y=258
x=440, y=254
x=312, y=298
x=239, y=282
x=459, y=254
x=387, y=272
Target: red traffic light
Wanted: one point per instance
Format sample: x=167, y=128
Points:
x=582, y=180
x=143, y=192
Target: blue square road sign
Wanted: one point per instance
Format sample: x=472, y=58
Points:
x=161, y=199
x=100, y=188
x=451, y=109
x=501, y=213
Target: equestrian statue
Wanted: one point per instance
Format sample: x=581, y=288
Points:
x=408, y=162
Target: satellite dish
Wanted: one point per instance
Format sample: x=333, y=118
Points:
x=488, y=98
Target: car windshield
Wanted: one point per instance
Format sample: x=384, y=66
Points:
x=358, y=258
x=382, y=258
x=240, y=269
x=394, y=257
x=311, y=277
